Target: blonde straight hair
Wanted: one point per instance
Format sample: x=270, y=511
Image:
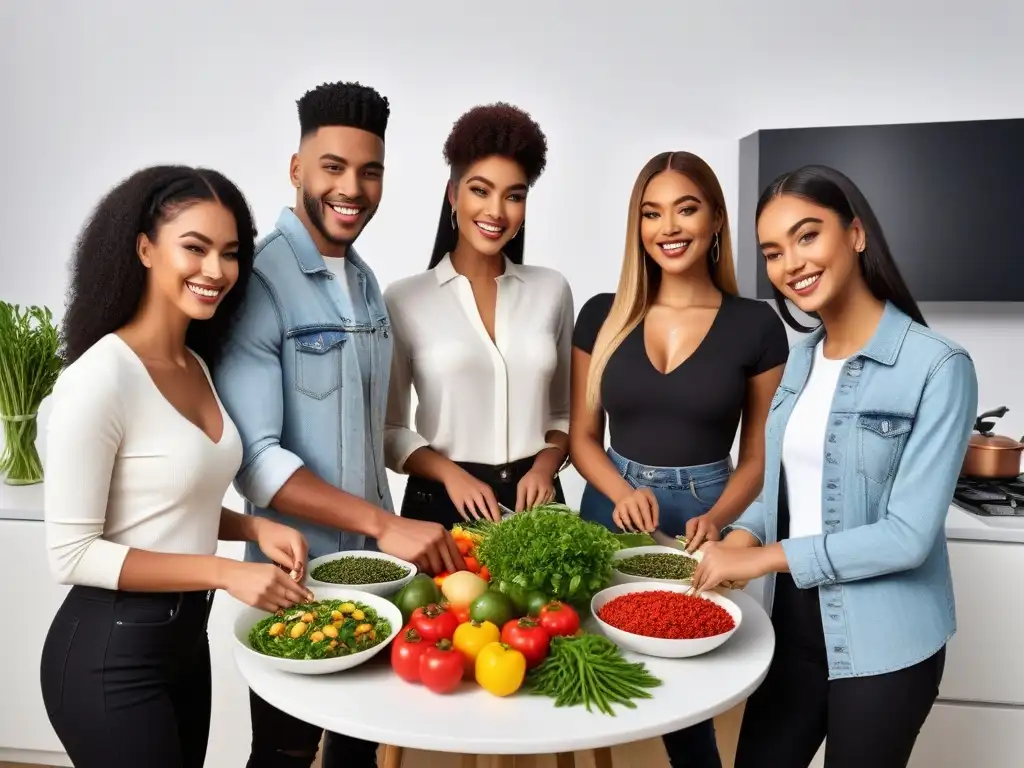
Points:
x=640, y=277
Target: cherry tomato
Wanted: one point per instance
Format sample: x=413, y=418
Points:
x=441, y=667
x=559, y=619
x=406, y=650
x=434, y=623
x=529, y=638
x=461, y=614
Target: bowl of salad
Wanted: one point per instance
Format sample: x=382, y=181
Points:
x=364, y=570
x=339, y=629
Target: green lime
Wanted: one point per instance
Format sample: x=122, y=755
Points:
x=492, y=606
x=535, y=601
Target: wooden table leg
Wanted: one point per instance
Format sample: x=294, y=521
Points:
x=392, y=757
x=469, y=761
x=603, y=758
x=565, y=760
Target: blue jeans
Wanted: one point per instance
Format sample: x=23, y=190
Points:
x=682, y=493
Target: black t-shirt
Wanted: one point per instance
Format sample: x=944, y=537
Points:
x=688, y=416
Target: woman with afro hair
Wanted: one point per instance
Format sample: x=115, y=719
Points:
x=484, y=339
x=140, y=452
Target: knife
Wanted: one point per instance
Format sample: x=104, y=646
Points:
x=506, y=513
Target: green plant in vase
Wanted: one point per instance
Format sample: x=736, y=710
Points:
x=29, y=365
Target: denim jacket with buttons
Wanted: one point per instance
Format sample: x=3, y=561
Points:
x=291, y=381
x=898, y=429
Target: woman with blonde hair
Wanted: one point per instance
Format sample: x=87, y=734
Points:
x=673, y=360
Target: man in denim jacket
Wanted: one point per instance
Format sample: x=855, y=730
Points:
x=305, y=379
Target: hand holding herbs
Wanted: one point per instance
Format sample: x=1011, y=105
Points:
x=29, y=366
x=590, y=670
x=552, y=550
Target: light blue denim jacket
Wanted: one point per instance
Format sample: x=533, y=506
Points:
x=291, y=381
x=901, y=418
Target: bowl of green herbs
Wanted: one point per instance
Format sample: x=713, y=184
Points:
x=339, y=629
x=653, y=563
x=373, y=572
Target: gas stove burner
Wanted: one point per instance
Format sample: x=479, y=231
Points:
x=991, y=498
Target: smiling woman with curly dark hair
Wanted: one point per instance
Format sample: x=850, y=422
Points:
x=108, y=277
x=483, y=339
x=139, y=455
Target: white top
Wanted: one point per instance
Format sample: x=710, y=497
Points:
x=337, y=267
x=803, y=447
x=479, y=401
x=124, y=469
x=692, y=690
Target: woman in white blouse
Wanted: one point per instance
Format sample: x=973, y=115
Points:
x=139, y=455
x=484, y=340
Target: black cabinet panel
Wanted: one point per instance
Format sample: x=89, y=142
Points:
x=950, y=197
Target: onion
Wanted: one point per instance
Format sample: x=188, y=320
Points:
x=462, y=588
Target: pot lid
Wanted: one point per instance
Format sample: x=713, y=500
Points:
x=998, y=442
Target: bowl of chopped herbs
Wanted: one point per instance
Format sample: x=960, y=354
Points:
x=373, y=572
x=654, y=563
x=339, y=629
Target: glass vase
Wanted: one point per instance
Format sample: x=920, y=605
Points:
x=19, y=463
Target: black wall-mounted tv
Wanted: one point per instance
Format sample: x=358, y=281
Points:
x=950, y=197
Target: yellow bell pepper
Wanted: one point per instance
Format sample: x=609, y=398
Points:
x=500, y=670
x=470, y=638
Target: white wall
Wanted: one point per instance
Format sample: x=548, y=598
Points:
x=92, y=91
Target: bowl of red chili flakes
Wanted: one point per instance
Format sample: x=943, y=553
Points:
x=662, y=619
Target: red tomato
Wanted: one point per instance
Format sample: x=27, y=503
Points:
x=529, y=638
x=472, y=564
x=434, y=623
x=441, y=667
x=485, y=573
x=559, y=619
x=406, y=650
x=461, y=613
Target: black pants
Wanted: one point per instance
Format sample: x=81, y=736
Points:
x=428, y=500
x=863, y=720
x=126, y=678
x=281, y=741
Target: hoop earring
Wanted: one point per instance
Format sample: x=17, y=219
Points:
x=454, y=223
x=716, y=250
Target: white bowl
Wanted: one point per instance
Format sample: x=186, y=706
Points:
x=248, y=617
x=384, y=588
x=658, y=646
x=618, y=577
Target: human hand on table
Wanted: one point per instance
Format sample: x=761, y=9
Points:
x=534, y=489
x=427, y=545
x=473, y=499
x=637, y=511
x=700, y=530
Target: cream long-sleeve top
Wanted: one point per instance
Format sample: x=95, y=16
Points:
x=478, y=401
x=125, y=470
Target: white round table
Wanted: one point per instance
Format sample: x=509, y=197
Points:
x=370, y=702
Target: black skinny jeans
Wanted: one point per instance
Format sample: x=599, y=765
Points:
x=863, y=720
x=126, y=678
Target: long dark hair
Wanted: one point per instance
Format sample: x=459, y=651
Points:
x=831, y=189
x=108, y=279
x=447, y=236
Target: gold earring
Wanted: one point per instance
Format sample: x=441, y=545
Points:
x=716, y=250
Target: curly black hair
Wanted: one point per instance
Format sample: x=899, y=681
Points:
x=497, y=129
x=484, y=131
x=108, y=279
x=350, y=104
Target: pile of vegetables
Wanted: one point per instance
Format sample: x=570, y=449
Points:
x=549, y=550
x=469, y=629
